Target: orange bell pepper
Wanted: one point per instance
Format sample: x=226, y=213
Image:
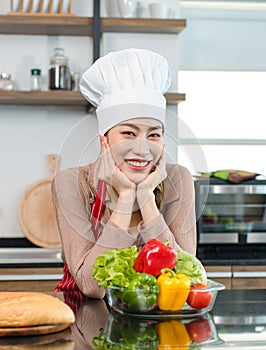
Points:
x=172, y=335
x=174, y=290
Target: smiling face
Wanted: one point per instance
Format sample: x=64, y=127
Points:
x=136, y=146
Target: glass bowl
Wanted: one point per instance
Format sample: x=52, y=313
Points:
x=122, y=332
x=114, y=299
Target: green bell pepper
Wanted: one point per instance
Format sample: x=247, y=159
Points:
x=123, y=333
x=141, y=293
x=138, y=334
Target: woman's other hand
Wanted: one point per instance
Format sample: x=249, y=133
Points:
x=154, y=178
x=145, y=196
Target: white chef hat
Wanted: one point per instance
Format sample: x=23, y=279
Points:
x=127, y=84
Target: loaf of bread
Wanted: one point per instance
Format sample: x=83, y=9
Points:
x=24, y=309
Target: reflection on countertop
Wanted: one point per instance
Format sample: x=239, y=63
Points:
x=240, y=318
x=237, y=321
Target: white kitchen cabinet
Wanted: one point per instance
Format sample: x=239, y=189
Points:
x=249, y=277
x=238, y=276
x=220, y=274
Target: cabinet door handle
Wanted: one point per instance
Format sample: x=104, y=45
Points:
x=40, y=277
x=249, y=274
x=219, y=274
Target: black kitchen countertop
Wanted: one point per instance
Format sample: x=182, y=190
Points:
x=237, y=321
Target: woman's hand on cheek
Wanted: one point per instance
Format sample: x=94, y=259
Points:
x=111, y=174
x=154, y=178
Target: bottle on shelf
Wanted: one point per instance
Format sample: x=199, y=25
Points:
x=6, y=83
x=75, y=79
x=36, y=79
x=59, y=72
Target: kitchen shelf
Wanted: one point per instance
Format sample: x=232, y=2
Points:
x=45, y=25
x=82, y=26
x=42, y=98
x=174, y=98
x=142, y=25
x=59, y=98
x=77, y=26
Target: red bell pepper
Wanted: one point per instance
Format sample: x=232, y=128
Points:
x=154, y=257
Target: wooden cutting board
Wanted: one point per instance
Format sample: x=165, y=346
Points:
x=33, y=330
x=36, y=211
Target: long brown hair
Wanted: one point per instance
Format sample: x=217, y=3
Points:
x=159, y=193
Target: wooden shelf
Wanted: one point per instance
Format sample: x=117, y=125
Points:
x=45, y=25
x=174, y=98
x=59, y=98
x=142, y=25
x=42, y=98
x=82, y=26
x=76, y=26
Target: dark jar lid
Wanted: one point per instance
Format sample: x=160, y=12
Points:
x=35, y=71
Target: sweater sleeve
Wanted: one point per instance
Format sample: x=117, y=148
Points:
x=70, y=195
x=176, y=224
x=78, y=246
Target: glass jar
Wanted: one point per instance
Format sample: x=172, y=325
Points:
x=35, y=82
x=59, y=73
x=6, y=83
x=75, y=79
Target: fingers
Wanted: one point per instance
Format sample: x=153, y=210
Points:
x=106, y=154
x=106, y=165
x=155, y=177
x=104, y=143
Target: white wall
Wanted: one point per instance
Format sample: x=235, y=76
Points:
x=28, y=134
x=220, y=36
x=222, y=72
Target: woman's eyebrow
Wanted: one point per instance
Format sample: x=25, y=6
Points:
x=130, y=125
x=155, y=127
x=137, y=128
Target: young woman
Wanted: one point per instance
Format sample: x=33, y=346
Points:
x=129, y=194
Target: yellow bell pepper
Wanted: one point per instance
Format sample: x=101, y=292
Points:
x=172, y=335
x=174, y=290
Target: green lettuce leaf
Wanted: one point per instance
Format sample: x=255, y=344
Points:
x=115, y=267
x=190, y=266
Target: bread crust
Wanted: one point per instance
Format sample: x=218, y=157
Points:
x=24, y=309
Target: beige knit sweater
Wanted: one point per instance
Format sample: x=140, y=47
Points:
x=74, y=192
